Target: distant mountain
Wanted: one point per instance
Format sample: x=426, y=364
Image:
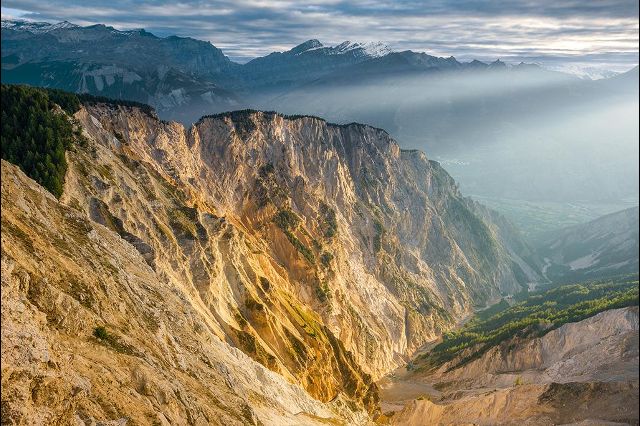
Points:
x=306, y=62
x=183, y=77
x=35, y=27
x=493, y=119
x=603, y=247
x=169, y=73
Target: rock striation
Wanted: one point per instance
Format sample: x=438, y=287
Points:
x=313, y=256
x=159, y=359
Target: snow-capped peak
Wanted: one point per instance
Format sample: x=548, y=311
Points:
x=34, y=27
x=371, y=49
x=62, y=25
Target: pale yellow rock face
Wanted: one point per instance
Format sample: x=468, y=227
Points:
x=410, y=255
x=535, y=404
x=252, y=268
x=162, y=363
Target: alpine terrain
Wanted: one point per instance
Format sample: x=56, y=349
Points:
x=319, y=255
x=333, y=233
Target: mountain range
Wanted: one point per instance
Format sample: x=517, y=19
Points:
x=181, y=72
x=485, y=120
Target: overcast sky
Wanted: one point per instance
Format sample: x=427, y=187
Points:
x=599, y=33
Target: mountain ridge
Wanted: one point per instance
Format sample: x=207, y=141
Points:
x=448, y=108
x=607, y=245
x=293, y=238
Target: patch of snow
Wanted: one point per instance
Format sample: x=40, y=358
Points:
x=35, y=27
x=376, y=49
x=314, y=48
x=370, y=49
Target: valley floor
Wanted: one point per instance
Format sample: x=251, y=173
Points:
x=398, y=389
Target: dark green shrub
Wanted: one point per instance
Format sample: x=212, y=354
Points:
x=101, y=333
x=286, y=219
x=326, y=258
x=330, y=223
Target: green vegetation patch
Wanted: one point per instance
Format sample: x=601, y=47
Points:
x=35, y=136
x=287, y=220
x=323, y=292
x=329, y=221
x=106, y=338
x=536, y=315
x=302, y=249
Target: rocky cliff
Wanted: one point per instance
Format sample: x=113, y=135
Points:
x=378, y=241
x=92, y=333
x=581, y=372
x=325, y=253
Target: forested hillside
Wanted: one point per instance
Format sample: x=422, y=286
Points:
x=533, y=315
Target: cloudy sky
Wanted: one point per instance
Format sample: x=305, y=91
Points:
x=598, y=33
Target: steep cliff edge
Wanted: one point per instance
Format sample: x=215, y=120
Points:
x=376, y=240
x=325, y=253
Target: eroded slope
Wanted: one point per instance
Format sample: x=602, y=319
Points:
x=160, y=362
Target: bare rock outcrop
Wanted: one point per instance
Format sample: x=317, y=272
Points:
x=378, y=241
x=159, y=359
x=581, y=373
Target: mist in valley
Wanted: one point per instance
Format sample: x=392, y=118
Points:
x=521, y=133
x=183, y=244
